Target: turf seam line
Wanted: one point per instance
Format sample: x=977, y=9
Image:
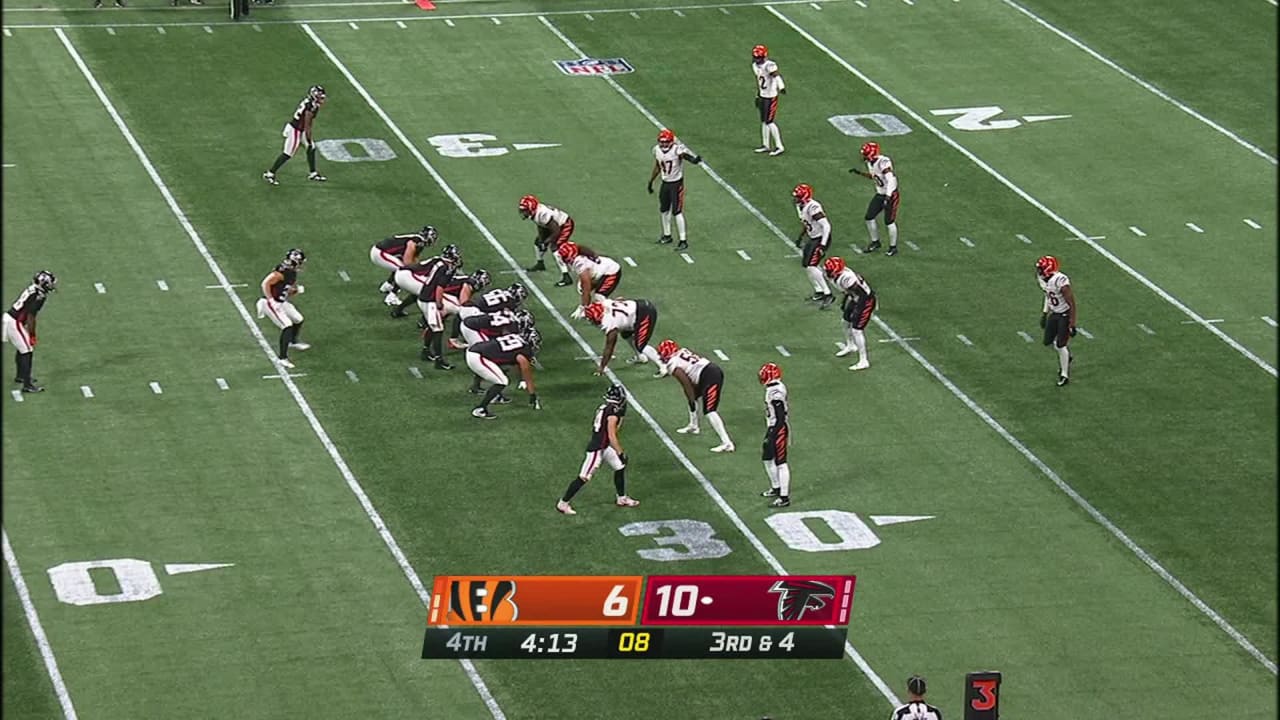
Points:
x=37, y=630
x=1145, y=85
x=955, y=145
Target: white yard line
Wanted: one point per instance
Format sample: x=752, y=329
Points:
x=379, y=524
x=1210, y=320
x=1146, y=85
x=662, y=435
x=37, y=629
x=928, y=125
x=229, y=285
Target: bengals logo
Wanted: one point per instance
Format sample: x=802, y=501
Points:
x=482, y=601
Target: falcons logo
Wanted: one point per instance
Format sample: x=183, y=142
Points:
x=796, y=596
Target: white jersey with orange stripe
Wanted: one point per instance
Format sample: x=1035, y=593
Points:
x=598, y=267
x=690, y=362
x=1053, y=295
x=619, y=315
x=546, y=214
x=852, y=283
x=816, y=224
x=671, y=161
x=881, y=171
x=768, y=80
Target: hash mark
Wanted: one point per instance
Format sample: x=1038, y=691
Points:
x=859, y=3
x=354, y=26
x=887, y=340
x=8, y=32
x=400, y=24
x=911, y=245
x=1084, y=332
x=815, y=6
x=86, y=391
x=160, y=30
x=17, y=396
x=1252, y=224
x=208, y=29
x=277, y=377
x=720, y=354
x=909, y=2
x=1194, y=227
x=1024, y=238
x=496, y=21
x=415, y=372
x=1137, y=231
x=743, y=254
x=1197, y=322
x=221, y=383
x=1267, y=319
x=678, y=13
x=111, y=31
x=449, y=23
x=345, y=277
x=155, y=388
x=219, y=287
x=164, y=286
x=725, y=11
x=966, y=241
x=629, y=261
x=687, y=258
x=965, y=340
x=351, y=375
x=635, y=14
x=102, y=289
x=1146, y=329
x=588, y=17
x=782, y=351
x=1023, y=334
x=257, y=28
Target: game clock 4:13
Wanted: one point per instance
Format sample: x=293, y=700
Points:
x=551, y=642
x=617, y=643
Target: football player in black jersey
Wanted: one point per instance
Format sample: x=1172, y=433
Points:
x=458, y=291
x=604, y=446
x=20, y=326
x=397, y=251
x=297, y=132
x=487, y=359
x=278, y=289
x=487, y=303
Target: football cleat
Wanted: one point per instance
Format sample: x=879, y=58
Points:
x=815, y=297
x=422, y=323
x=565, y=508
x=299, y=346
x=31, y=387
x=780, y=502
x=845, y=350
x=386, y=287
x=626, y=501
x=893, y=250
x=662, y=371
x=771, y=492
x=316, y=177
x=538, y=267
x=666, y=240
x=689, y=429
x=825, y=301
x=501, y=400
x=270, y=177
x=723, y=448
x=1063, y=380
x=769, y=372
x=442, y=364
x=1047, y=265
x=802, y=193
x=391, y=299
x=284, y=363
x=564, y=281
x=682, y=246
x=777, y=151
x=860, y=365
x=762, y=149
x=483, y=414
x=873, y=246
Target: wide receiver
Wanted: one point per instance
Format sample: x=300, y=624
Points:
x=777, y=435
x=768, y=84
x=814, y=239
x=395, y=252
x=636, y=319
x=603, y=446
x=880, y=169
x=1058, y=315
x=858, y=305
x=668, y=160
x=554, y=227
x=20, y=326
x=701, y=380
x=297, y=132
x=278, y=289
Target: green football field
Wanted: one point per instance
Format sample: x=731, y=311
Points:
x=190, y=534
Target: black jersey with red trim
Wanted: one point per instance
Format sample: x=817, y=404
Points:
x=28, y=304
x=432, y=273
x=280, y=288
x=490, y=325
x=502, y=350
x=397, y=244
x=308, y=104
x=491, y=301
x=600, y=425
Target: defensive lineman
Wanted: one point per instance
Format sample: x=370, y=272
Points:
x=814, y=239
x=768, y=84
x=397, y=251
x=668, y=160
x=777, y=436
x=604, y=446
x=554, y=227
x=916, y=708
x=858, y=305
x=598, y=276
x=20, y=326
x=880, y=169
x=1058, y=315
x=298, y=131
x=278, y=289
x=702, y=380
x=636, y=319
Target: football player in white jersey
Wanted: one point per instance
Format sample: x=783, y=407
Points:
x=858, y=305
x=880, y=170
x=1058, y=315
x=635, y=319
x=777, y=435
x=598, y=276
x=668, y=160
x=814, y=239
x=702, y=380
x=297, y=132
x=769, y=84
x=554, y=227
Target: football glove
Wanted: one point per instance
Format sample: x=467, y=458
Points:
x=1073, y=331
x=623, y=458
x=650, y=188
x=300, y=289
x=696, y=159
x=1044, y=319
x=782, y=90
x=578, y=313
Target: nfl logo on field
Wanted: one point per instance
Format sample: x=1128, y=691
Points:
x=595, y=66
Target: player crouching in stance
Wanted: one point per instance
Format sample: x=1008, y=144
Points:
x=298, y=131
x=397, y=251
x=604, y=445
x=701, y=380
x=777, y=436
x=598, y=276
x=486, y=360
x=20, y=326
x=880, y=169
x=278, y=289
x=489, y=326
x=456, y=292
x=858, y=305
x=635, y=319
x=554, y=227
x=482, y=305
x=1058, y=316
x=814, y=239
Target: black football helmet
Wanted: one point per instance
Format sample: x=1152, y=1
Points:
x=480, y=279
x=452, y=255
x=616, y=395
x=294, y=259
x=429, y=235
x=533, y=339
x=524, y=319
x=316, y=92
x=519, y=290
x=45, y=280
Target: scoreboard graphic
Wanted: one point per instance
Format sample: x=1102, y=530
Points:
x=633, y=616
